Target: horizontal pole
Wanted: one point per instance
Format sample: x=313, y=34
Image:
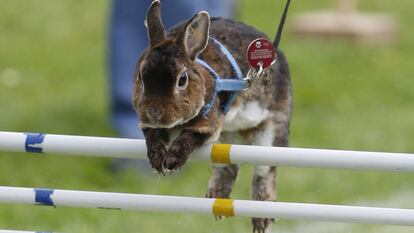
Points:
x=237, y=154
x=13, y=231
x=226, y=207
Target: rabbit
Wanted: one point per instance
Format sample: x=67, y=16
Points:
x=171, y=88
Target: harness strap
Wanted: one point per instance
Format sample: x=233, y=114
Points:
x=233, y=85
x=230, y=58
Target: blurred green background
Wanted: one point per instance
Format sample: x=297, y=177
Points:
x=53, y=79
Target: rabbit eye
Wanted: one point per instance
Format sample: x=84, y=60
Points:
x=182, y=81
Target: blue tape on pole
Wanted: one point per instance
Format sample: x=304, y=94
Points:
x=43, y=196
x=34, y=142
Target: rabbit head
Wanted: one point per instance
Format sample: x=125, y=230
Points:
x=169, y=87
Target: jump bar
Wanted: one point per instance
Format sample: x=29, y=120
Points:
x=237, y=154
x=13, y=231
x=175, y=204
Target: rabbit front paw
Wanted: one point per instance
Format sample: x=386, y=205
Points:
x=156, y=157
x=173, y=162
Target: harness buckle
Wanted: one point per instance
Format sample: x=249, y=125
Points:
x=253, y=75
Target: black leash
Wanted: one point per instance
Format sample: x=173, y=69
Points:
x=281, y=24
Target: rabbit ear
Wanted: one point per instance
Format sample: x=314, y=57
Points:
x=195, y=37
x=156, y=32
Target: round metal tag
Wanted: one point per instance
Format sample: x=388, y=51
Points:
x=260, y=52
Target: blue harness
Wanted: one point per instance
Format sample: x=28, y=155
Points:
x=233, y=85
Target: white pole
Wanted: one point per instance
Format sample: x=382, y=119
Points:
x=157, y=203
x=12, y=231
x=238, y=154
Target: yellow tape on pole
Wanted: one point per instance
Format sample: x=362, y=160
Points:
x=223, y=207
x=220, y=153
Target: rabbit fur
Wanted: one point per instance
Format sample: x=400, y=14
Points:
x=170, y=89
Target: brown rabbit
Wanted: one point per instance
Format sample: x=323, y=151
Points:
x=171, y=88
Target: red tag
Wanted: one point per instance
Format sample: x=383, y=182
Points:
x=260, y=51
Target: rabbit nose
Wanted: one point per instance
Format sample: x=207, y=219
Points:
x=155, y=112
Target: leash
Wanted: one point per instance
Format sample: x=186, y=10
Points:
x=238, y=83
x=281, y=25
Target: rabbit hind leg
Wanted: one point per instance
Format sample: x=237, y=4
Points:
x=270, y=133
x=222, y=181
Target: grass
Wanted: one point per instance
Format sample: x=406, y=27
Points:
x=53, y=79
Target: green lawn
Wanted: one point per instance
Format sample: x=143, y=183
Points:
x=53, y=79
